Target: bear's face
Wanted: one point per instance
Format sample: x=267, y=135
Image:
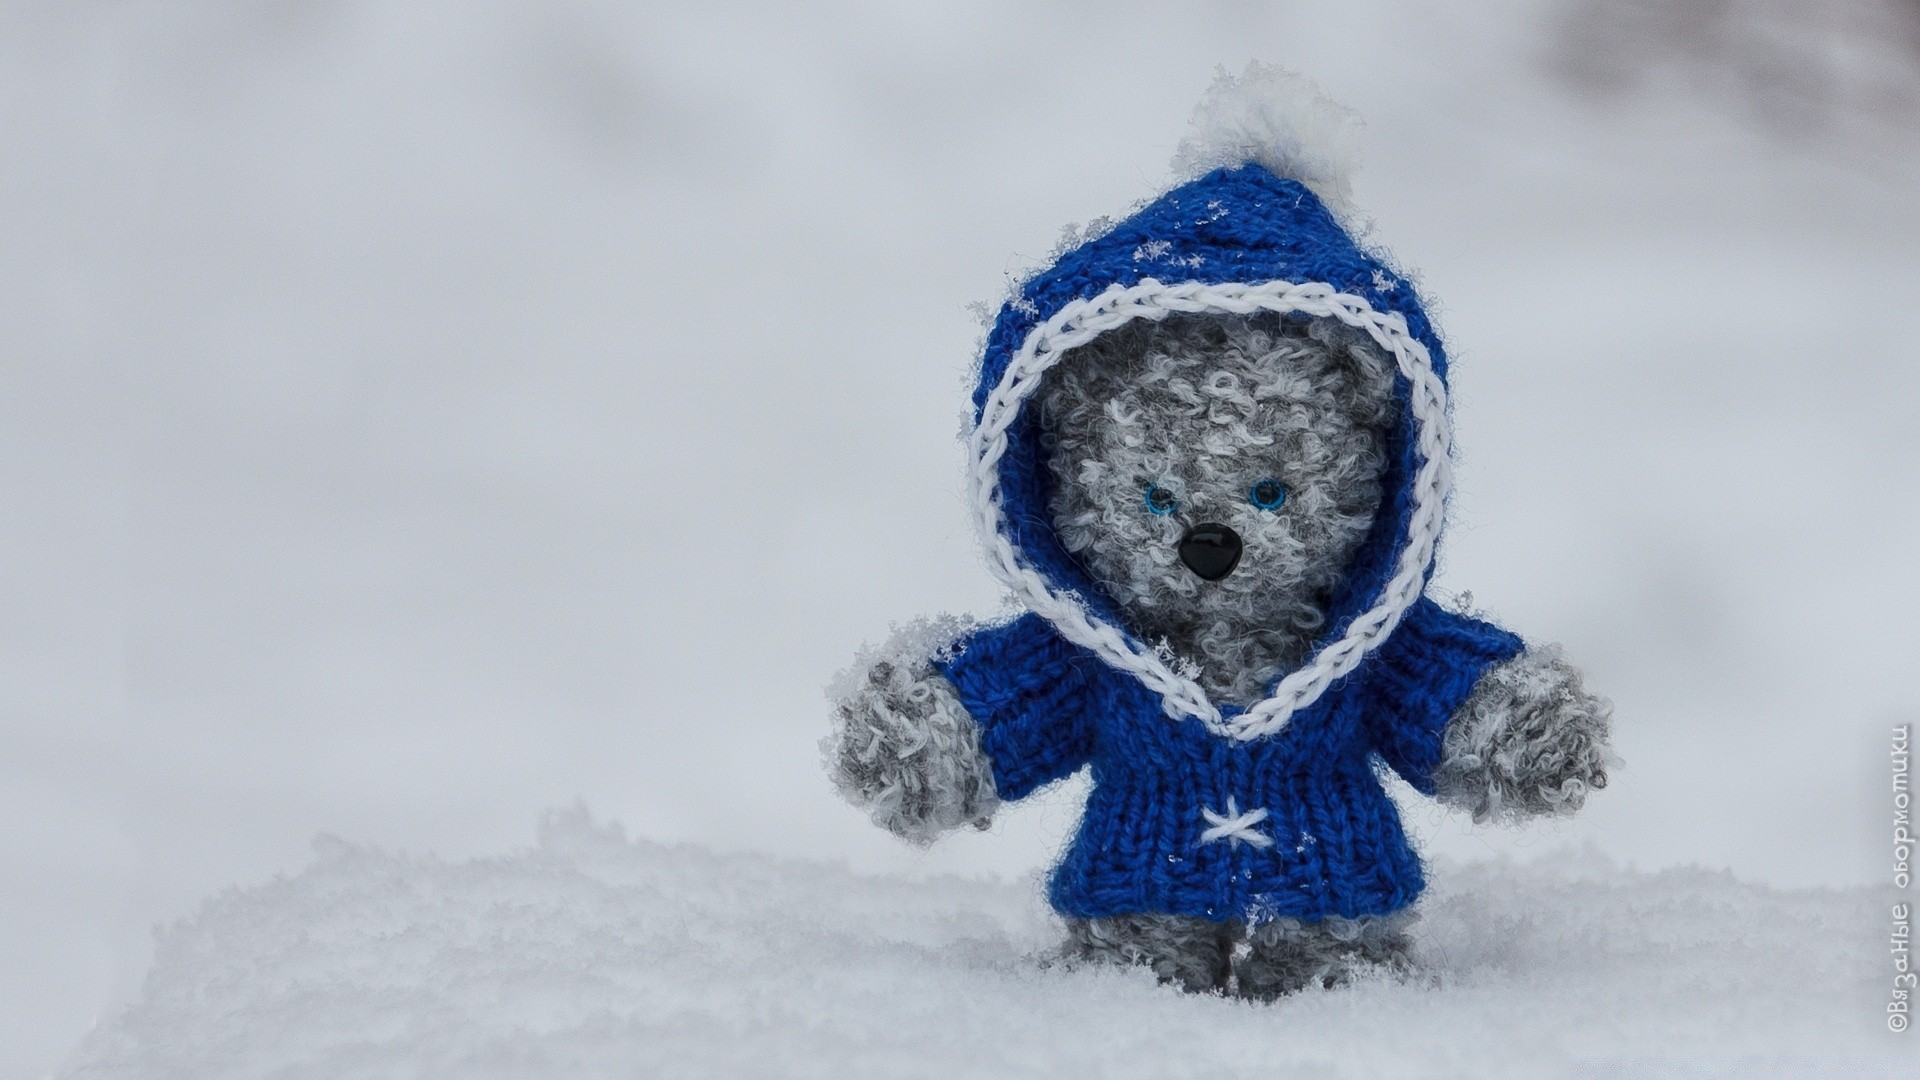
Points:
x=1215, y=475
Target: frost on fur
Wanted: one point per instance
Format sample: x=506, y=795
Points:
x=1277, y=119
x=903, y=748
x=1529, y=741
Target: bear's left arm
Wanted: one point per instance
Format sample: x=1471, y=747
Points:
x=1467, y=712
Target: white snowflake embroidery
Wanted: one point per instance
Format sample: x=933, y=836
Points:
x=1234, y=825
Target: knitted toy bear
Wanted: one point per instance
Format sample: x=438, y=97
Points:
x=1210, y=458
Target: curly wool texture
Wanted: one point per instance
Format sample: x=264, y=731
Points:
x=1179, y=821
x=1206, y=407
x=1275, y=957
x=1285, y=956
x=1194, y=954
x=1530, y=741
x=904, y=748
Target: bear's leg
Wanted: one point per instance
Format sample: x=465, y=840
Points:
x=1286, y=955
x=1195, y=954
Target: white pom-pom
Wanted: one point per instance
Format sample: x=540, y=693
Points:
x=1275, y=118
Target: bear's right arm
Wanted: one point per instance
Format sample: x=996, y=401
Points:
x=938, y=732
x=1032, y=693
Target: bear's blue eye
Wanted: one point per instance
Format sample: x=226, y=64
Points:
x=1267, y=494
x=1160, y=500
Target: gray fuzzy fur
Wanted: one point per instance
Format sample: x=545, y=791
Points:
x=1260, y=962
x=904, y=749
x=1206, y=407
x=1193, y=954
x=1284, y=956
x=1529, y=741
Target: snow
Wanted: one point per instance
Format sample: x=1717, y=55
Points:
x=592, y=954
x=415, y=415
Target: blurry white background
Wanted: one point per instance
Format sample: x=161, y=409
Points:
x=414, y=416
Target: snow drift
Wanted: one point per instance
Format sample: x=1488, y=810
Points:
x=595, y=955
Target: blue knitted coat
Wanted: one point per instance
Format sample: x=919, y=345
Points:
x=1047, y=707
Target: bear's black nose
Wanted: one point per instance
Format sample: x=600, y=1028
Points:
x=1210, y=550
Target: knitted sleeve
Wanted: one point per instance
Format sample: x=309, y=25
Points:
x=1030, y=691
x=1420, y=677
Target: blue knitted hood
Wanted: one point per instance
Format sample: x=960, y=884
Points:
x=1240, y=225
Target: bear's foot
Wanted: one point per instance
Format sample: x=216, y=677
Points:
x=1284, y=956
x=1193, y=954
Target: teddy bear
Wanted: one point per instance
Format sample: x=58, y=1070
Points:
x=1209, y=456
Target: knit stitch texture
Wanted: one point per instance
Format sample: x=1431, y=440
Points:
x=1180, y=820
x=1047, y=708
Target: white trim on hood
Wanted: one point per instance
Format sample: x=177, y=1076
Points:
x=1083, y=320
